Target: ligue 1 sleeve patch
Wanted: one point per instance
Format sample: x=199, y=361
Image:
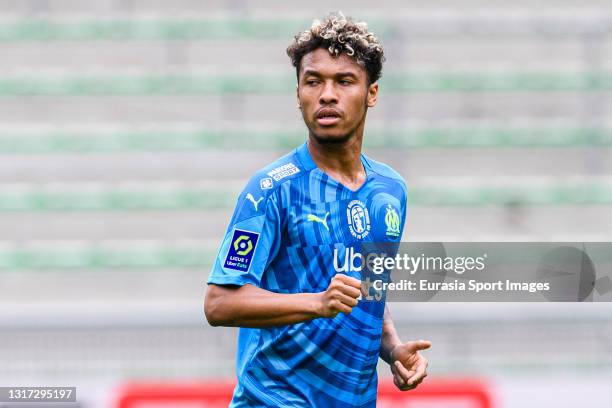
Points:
x=241, y=250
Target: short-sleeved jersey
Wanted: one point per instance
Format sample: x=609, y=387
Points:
x=292, y=230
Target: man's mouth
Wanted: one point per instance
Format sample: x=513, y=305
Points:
x=328, y=117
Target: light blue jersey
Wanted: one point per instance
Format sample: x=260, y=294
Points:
x=292, y=230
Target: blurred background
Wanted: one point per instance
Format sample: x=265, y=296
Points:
x=128, y=127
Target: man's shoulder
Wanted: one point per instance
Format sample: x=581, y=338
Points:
x=269, y=178
x=385, y=171
x=259, y=191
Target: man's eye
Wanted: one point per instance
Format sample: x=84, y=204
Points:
x=312, y=82
x=344, y=82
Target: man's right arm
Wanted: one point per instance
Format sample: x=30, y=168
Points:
x=250, y=306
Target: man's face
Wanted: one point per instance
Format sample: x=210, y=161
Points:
x=334, y=95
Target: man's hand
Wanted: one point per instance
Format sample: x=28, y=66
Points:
x=408, y=366
x=340, y=296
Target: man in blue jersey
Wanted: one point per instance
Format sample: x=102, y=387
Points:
x=284, y=273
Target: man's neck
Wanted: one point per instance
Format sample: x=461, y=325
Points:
x=342, y=162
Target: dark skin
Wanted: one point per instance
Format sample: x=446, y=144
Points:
x=334, y=95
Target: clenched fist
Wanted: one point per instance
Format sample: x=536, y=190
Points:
x=340, y=296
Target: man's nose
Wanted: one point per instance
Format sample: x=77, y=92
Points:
x=328, y=94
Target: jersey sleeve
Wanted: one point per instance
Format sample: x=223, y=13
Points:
x=251, y=240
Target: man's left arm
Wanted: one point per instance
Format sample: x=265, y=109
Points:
x=408, y=366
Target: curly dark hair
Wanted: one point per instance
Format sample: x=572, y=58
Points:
x=340, y=35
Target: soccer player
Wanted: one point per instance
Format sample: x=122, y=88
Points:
x=284, y=272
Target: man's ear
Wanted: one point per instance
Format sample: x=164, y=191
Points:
x=297, y=96
x=372, y=94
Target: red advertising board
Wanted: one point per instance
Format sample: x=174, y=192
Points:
x=447, y=393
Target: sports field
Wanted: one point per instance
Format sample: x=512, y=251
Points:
x=129, y=127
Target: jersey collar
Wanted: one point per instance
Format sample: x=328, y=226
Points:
x=306, y=160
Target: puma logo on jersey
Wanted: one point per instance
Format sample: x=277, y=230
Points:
x=250, y=197
x=314, y=218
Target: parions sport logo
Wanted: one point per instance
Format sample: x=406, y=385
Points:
x=358, y=219
x=283, y=171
